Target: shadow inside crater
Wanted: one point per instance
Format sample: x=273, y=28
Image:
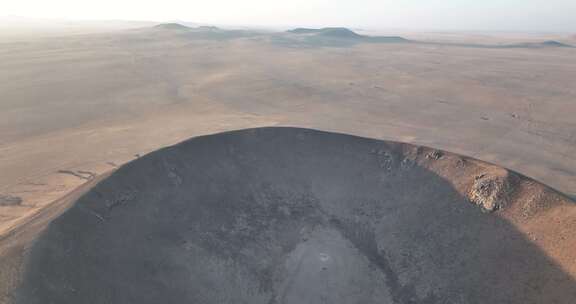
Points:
x=284, y=215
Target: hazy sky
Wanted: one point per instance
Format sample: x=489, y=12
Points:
x=532, y=15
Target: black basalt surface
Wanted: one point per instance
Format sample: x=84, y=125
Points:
x=282, y=215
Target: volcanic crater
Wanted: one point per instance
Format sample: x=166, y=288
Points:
x=290, y=215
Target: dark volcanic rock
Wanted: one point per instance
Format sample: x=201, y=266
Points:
x=285, y=215
x=490, y=192
x=9, y=200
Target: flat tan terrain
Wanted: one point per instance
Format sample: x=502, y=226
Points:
x=79, y=105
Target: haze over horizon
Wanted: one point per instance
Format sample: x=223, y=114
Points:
x=489, y=15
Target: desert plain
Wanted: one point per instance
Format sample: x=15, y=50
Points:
x=74, y=107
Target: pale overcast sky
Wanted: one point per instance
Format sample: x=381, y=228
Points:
x=516, y=15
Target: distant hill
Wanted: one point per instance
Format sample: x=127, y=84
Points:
x=544, y=44
x=172, y=26
x=328, y=36
x=208, y=28
x=204, y=32
x=555, y=43
x=523, y=45
x=388, y=39
x=337, y=36
x=338, y=32
x=181, y=27
x=302, y=30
